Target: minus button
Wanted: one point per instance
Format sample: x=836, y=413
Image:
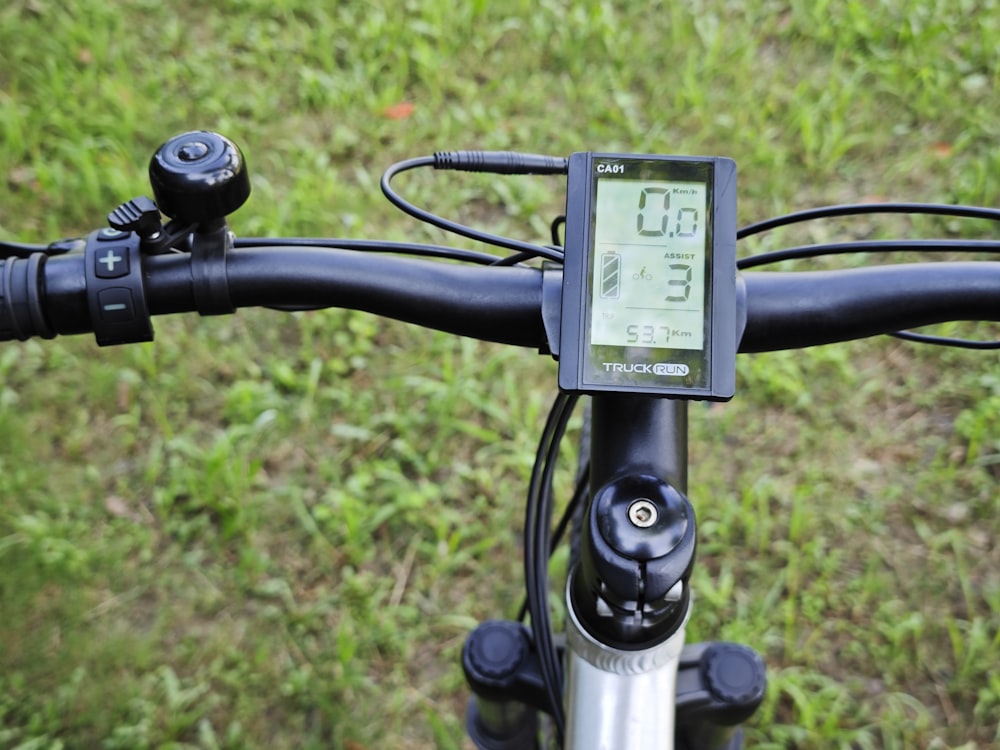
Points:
x=116, y=304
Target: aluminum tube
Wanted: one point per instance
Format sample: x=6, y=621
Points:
x=620, y=699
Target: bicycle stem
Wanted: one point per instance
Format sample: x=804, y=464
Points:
x=638, y=538
x=639, y=432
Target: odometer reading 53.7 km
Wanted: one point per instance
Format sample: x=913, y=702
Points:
x=649, y=279
x=650, y=249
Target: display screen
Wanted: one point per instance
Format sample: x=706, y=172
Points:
x=649, y=279
x=649, y=269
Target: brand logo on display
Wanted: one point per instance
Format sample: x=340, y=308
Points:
x=663, y=369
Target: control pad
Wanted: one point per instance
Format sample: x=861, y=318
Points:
x=115, y=292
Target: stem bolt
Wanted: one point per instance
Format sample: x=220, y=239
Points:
x=642, y=513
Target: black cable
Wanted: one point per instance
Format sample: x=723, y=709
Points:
x=377, y=246
x=19, y=250
x=25, y=250
x=869, y=246
x=923, y=338
x=543, y=555
x=513, y=260
x=535, y=524
x=581, y=487
x=854, y=209
x=531, y=251
x=538, y=519
x=559, y=221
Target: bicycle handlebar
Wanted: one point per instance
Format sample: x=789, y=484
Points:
x=48, y=296
x=793, y=310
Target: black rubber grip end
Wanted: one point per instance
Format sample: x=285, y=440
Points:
x=21, y=315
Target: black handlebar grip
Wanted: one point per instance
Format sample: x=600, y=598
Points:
x=21, y=314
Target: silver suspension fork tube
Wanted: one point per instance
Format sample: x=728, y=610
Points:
x=619, y=699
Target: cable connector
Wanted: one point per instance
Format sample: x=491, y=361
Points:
x=500, y=162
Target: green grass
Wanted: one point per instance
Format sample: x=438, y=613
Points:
x=275, y=530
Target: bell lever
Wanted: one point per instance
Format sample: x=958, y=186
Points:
x=140, y=215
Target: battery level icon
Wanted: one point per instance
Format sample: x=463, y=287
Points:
x=611, y=276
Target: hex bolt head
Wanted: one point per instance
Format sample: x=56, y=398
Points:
x=642, y=513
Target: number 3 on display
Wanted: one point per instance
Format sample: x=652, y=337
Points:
x=682, y=279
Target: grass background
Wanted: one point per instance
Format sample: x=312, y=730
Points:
x=275, y=531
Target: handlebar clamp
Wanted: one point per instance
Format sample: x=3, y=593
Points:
x=637, y=552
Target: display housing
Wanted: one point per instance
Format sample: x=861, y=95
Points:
x=649, y=279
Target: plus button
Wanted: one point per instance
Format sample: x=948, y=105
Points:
x=109, y=260
x=111, y=265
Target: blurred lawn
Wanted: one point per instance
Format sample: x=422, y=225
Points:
x=276, y=530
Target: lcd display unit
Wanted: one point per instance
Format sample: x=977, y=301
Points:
x=649, y=279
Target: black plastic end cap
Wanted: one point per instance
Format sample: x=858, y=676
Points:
x=494, y=651
x=22, y=315
x=734, y=673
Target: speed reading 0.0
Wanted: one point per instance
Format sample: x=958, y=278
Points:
x=649, y=276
